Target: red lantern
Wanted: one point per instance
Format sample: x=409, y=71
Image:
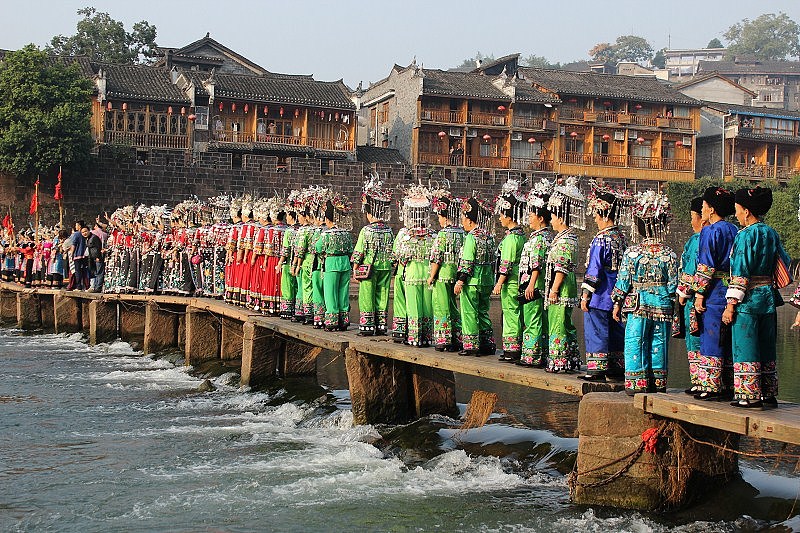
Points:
x=640, y=140
x=296, y=113
x=169, y=110
x=442, y=135
x=487, y=137
x=638, y=106
x=183, y=111
x=679, y=143
x=266, y=111
x=531, y=140
x=233, y=107
x=606, y=137
x=220, y=107
x=192, y=117
x=607, y=104
x=246, y=108
x=109, y=106
x=573, y=100
x=501, y=108
x=124, y=107
x=281, y=111
x=573, y=134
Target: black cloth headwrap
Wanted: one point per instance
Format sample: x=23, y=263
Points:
x=473, y=211
x=329, y=210
x=697, y=205
x=757, y=201
x=722, y=200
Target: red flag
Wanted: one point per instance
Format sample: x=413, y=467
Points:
x=6, y=221
x=58, y=195
x=35, y=200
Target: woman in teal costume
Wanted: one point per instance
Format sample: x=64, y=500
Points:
x=752, y=301
x=644, y=293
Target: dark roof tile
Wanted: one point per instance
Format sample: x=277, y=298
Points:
x=301, y=90
x=750, y=67
x=380, y=155
x=464, y=84
x=753, y=110
x=136, y=82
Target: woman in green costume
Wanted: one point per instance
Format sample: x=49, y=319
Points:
x=288, y=280
x=531, y=277
x=374, y=250
x=444, y=269
x=334, y=247
x=475, y=279
x=302, y=312
x=317, y=290
x=510, y=209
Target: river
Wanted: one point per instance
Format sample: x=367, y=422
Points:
x=104, y=439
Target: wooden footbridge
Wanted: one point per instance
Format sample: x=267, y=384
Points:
x=391, y=383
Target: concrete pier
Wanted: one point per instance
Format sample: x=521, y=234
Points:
x=131, y=322
x=231, y=339
x=202, y=336
x=46, y=309
x=261, y=350
x=102, y=315
x=8, y=307
x=160, y=328
x=29, y=314
x=378, y=388
x=66, y=313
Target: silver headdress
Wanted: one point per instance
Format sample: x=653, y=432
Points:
x=220, y=206
x=375, y=198
x=567, y=201
x=511, y=201
x=415, y=207
x=478, y=210
x=652, y=214
x=609, y=202
x=446, y=205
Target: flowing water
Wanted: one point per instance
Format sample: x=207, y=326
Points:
x=104, y=439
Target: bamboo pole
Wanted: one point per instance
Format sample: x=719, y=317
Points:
x=60, y=202
x=36, y=228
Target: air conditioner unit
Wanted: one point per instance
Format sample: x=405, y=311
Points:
x=619, y=135
x=516, y=136
x=563, y=131
x=472, y=133
x=455, y=132
x=633, y=134
x=687, y=141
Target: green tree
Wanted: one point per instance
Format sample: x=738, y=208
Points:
x=602, y=52
x=538, y=62
x=104, y=39
x=767, y=37
x=470, y=63
x=660, y=59
x=783, y=216
x=714, y=43
x=45, y=107
x=625, y=48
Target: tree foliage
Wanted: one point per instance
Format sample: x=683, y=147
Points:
x=104, y=39
x=659, y=59
x=714, y=43
x=45, y=108
x=767, y=37
x=625, y=48
x=471, y=63
x=538, y=62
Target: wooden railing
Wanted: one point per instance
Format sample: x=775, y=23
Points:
x=577, y=158
x=440, y=115
x=570, y=113
x=146, y=140
x=534, y=123
x=627, y=161
x=486, y=119
x=247, y=137
x=610, y=160
x=636, y=161
x=487, y=162
x=681, y=123
x=427, y=158
x=279, y=139
x=677, y=164
x=760, y=171
x=541, y=165
x=230, y=136
x=644, y=120
x=330, y=144
x=607, y=116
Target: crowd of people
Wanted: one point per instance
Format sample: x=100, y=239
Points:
x=294, y=257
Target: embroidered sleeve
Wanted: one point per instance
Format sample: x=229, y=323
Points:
x=258, y=242
x=624, y=278
x=466, y=264
x=358, y=253
x=538, y=254
x=672, y=274
x=288, y=237
x=322, y=243
x=795, y=301
x=740, y=268
x=233, y=238
x=506, y=257
x=437, y=250
x=705, y=262
x=593, y=267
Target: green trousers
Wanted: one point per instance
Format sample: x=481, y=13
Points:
x=476, y=327
x=373, y=301
x=534, y=336
x=512, y=317
x=336, y=292
x=419, y=312
x=288, y=292
x=317, y=297
x=308, y=286
x=399, y=307
x=446, y=317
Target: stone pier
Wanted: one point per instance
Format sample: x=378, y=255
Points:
x=8, y=307
x=29, y=314
x=261, y=350
x=46, y=308
x=231, y=341
x=66, y=314
x=378, y=388
x=679, y=471
x=102, y=315
x=434, y=391
x=299, y=358
x=202, y=336
x=160, y=328
x=131, y=322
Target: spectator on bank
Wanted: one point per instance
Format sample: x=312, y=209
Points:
x=79, y=274
x=94, y=249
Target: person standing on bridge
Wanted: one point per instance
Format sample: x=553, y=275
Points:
x=333, y=249
x=304, y=312
x=372, y=259
x=476, y=278
x=531, y=279
x=286, y=260
x=604, y=336
x=443, y=271
x=644, y=294
x=567, y=208
x=752, y=301
x=715, y=367
x=511, y=209
x=687, y=271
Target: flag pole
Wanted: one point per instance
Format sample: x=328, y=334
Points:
x=36, y=229
x=60, y=204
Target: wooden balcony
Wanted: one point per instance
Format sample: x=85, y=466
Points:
x=529, y=123
x=677, y=164
x=610, y=160
x=623, y=118
x=644, y=120
x=635, y=161
x=535, y=165
x=441, y=115
x=146, y=140
x=345, y=145
x=576, y=158
x=487, y=162
x=744, y=170
x=607, y=116
x=247, y=137
x=231, y=136
x=570, y=113
x=626, y=161
x=445, y=160
x=487, y=119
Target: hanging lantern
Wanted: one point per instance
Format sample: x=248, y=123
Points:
x=531, y=140
x=281, y=111
x=573, y=100
x=296, y=113
x=109, y=106
x=607, y=104
x=183, y=111
x=487, y=137
x=501, y=108
x=442, y=134
x=233, y=107
x=169, y=110
x=192, y=117
x=640, y=140
x=637, y=106
x=124, y=107
x=220, y=106
x=246, y=108
x=573, y=134
x=606, y=137
x=266, y=111
x=679, y=144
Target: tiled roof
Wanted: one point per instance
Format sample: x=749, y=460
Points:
x=197, y=78
x=283, y=89
x=785, y=139
x=526, y=93
x=464, y=84
x=495, y=62
x=750, y=67
x=753, y=110
x=187, y=51
x=135, y=82
x=639, y=88
x=377, y=154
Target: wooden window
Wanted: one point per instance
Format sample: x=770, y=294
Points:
x=429, y=143
x=201, y=117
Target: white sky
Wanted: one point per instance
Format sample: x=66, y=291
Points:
x=361, y=40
